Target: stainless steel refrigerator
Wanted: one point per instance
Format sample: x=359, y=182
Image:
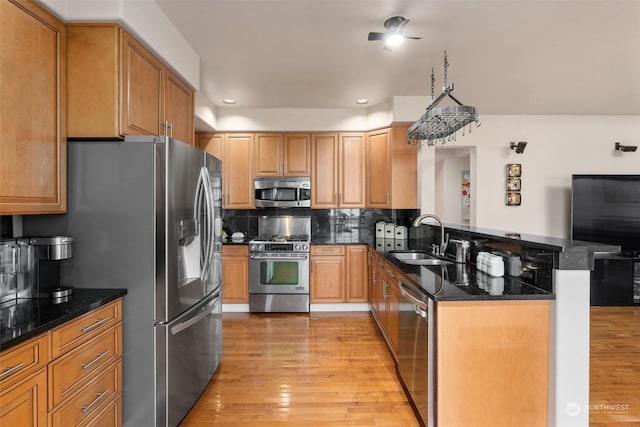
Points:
x=146, y=215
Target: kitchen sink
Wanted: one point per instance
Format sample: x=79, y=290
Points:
x=418, y=258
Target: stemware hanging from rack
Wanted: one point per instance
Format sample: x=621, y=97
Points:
x=441, y=124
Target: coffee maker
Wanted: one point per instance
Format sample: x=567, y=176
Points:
x=40, y=259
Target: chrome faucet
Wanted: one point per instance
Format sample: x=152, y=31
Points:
x=444, y=241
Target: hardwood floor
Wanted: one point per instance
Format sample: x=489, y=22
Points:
x=333, y=369
x=614, y=396
x=322, y=369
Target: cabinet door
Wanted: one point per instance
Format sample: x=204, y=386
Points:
x=404, y=170
x=378, y=169
x=212, y=143
x=235, y=275
x=393, y=313
x=352, y=170
x=324, y=170
x=93, y=86
x=381, y=290
x=238, y=172
x=327, y=279
x=32, y=110
x=357, y=278
x=141, y=111
x=26, y=403
x=297, y=154
x=268, y=154
x=179, y=109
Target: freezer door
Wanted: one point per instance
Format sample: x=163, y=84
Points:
x=184, y=212
x=188, y=353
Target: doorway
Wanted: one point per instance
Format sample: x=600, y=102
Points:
x=454, y=184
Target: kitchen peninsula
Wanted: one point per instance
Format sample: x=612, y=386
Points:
x=489, y=340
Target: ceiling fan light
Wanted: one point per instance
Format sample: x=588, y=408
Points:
x=394, y=39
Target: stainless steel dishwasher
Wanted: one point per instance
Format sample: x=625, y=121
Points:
x=415, y=355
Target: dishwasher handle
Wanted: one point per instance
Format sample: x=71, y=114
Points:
x=414, y=299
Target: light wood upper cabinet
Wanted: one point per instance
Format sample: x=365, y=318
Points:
x=352, y=170
x=279, y=154
x=338, y=170
x=117, y=87
x=404, y=170
x=141, y=112
x=379, y=169
x=324, y=170
x=212, y=143
x=391, y=169
x=179, y=109
x=33, y=155
x=268, y=154
x=238, y=171
x=297, y=154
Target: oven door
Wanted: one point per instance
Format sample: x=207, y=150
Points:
x=279, y=273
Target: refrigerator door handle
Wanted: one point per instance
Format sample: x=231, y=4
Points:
x=190, y=321
x=209, y=212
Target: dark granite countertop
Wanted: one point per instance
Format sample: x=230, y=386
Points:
x=23, y=319
x=462, y=282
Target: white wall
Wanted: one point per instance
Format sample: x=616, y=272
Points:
x=292, y=119
x=558, y=146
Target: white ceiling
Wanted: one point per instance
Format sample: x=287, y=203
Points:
x=506, y=56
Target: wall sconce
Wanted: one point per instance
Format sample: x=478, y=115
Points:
x=625, y=148
x=518, y=146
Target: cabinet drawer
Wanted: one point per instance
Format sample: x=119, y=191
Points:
x=111, y=416
x=19, y=362
x=90, y=400
x=77, y=331
x=235, y=250
x=327, y=250
x=66, y=372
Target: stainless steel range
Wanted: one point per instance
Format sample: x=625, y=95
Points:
x=279, y=265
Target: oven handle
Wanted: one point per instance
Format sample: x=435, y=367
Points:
x=287, y=258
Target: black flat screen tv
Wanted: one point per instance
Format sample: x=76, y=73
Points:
x=606, y=209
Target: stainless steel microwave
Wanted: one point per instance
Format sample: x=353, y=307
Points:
x=282, y=192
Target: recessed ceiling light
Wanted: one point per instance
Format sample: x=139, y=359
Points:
x=229, y=101
x=362, y=101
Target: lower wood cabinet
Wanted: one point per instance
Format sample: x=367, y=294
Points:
x=25, y=403
x=327, y=281
x=339, y=274
x=235, y=274
x=71, y=375
x=384, y=299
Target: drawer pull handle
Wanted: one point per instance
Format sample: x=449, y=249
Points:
x=95, y=325
x=97, y=399
x=94, y=361
x=9, y=371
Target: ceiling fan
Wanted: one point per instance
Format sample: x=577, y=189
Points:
x=393, y=36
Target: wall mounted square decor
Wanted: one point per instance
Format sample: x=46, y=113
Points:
x=513, y=198
x=514, y=170
x=514, y=184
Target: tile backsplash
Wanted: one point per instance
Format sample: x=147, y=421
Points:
x=359, y=222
